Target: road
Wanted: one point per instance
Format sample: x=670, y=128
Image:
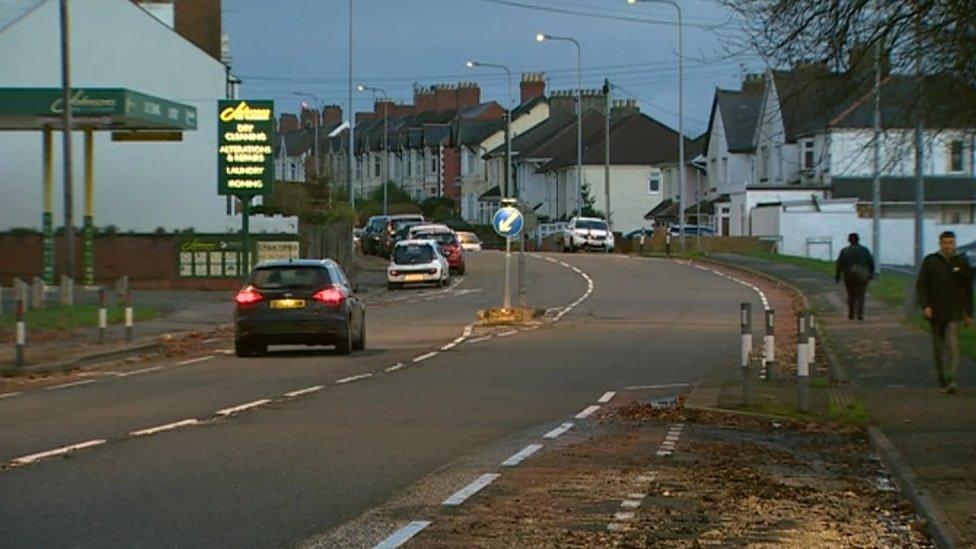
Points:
x=368, y=430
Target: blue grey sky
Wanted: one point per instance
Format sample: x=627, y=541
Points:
x=302, y=46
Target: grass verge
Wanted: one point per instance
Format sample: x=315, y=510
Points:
x=60, y=318
x=852, y=414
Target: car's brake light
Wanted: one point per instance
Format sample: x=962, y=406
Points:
x=248, y=296
x=331, y=296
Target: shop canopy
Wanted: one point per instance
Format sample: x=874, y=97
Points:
x=114, y=109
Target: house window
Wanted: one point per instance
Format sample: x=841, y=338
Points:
x=654, y=184
x=956, y=214
x=293, y=171
x=956, y=147
x=410, y=163
x=433, y=163
x=807, y=163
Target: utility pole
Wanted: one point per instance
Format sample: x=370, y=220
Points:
x=606, y=151
x=69, y=221
x=919, y=158
x=876, y=185
x=352, y=119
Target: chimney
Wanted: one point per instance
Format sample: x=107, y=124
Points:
x=364, y=117
x=423, y=99
x=564, y=101
x=331, y=116
x=288, y=123
x=401, y=110
x=468, y=95
x=445, y=97
x=754, y=83
x=624, y=107
x=378, y=108
x=594, y=100
x=310, y=117
x=532, y=86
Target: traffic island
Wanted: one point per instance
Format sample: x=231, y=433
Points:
x=516, y=316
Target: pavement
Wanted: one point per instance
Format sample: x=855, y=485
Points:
x=888, y=364
x=305, y=447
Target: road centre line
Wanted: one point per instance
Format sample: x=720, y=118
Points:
x=401, y=536
x=623, y=515
x=142, y=371
x=607, y=397
x=350, y=379
x=586, y=412
x=449, y=346
x=166, y=427
x=521, y=455
x=305, y=391
x=471, y=489
x=425, y=356
x=630, y=503
x=194, y=360
x=8, y=395
x=395, y=367
x=235, y=409
x=480, y=339
x=558, y=430
x=27, y=460
x=663, y=386
x=70, y=385
x=508, y=333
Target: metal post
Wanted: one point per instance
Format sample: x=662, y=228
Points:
x=102, y=315
x=507, y=298
x=507, y=186
x=745, y=318
x=769, y=344
x=802, y=366
x=245, y=237
x=352, y=119
x=21, y=340
x=521, y=273
x=386, y=152
x=876, y=164
x=47, y=218
x=66, y=122
x=88, y=242
x=811, y=338
x=919, y=159
x=37, y=293
x=128, y=316
x=606, y=151
x=579, y=130
x=67, y=291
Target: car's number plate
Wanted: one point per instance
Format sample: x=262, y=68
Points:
x=414, y=277
x=287, y=303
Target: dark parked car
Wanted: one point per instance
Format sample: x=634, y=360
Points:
x=393, y=224
x=372, y=233
x=300, y=301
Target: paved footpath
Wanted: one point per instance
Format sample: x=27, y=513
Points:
x=889, y=364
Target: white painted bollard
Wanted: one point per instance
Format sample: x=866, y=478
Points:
x=769, y=345
x=37, y=293
x=811, y=339
x=102, y=315
x=21, y=292
x=128, y=316
x=21, y=339
x=67, y=291
x=802, y=366
x=745, y=318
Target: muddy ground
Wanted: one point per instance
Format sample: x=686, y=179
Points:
x=727, y=482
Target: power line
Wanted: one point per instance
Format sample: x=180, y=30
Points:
x=551, y=9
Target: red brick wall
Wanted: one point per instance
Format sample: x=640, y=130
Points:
x=451, y=171
x=287, y=123
x=331, y=116
x=423, y=100
x=468, y=95
x=445, y=97
x=199, y=22
x=532, y=86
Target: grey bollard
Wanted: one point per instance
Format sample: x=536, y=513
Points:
x=128, y=316
x=37, y=293
x=769, y=345
x=102, y=315
x=67, y=291
x=745, y=321
x=21, y=291
x=802, y=366
x=811, y=339
x=21, y=338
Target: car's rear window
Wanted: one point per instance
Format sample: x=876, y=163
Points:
x=588, y=224
x=375, y=224
x=270, y=278
x=400, y=223
x=440, y=238
x=413, y=254
x=468, y=238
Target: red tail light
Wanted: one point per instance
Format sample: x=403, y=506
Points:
x=248, y=296
x=330, y=297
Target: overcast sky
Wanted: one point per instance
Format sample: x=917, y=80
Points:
x=302, y=46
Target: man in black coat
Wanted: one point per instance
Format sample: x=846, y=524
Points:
x=945, y=292
x=857, y=266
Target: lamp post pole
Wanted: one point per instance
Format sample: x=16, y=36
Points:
x=69, y=221
x=350, y=170
x=318, y=114
x=579, y=114
x=384, y=177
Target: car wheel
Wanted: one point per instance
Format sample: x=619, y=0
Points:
x=360, y=342
x=241, y=348
x=259, y=349
x=344, y=345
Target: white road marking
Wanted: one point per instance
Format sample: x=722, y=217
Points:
x=463, y=494
x=585, y=413
x=305, y=391
x=564, y=264
x=467, y=330
x=449, y=346
x=194, y=360
x=235, y=409
x=70, y=385
x=8, y=395
x=458, y=340
x=161, y=428
x=672, y=438
x=645, y=478
x=403, y=535
x=521, y=455
x=614, y=527
x=27, y=460
x=668, y=444
x=142, y=371
x=630, y=503
x=479, y=339
x=395, y=367
x=623, y=515
x=350, y=379
x=637, y=495
x=607, y=397
x=425, y=356
x=225, y=351
x=663, y=453
x=664, y=386
x=508, y=333
x=558, y=430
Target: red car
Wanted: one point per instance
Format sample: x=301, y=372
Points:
x=450, y=247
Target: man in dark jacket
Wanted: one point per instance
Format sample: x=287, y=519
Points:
x=945, y=292
x=857, y=266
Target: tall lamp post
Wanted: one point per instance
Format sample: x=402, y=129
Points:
x=386, y=150
x=681, y=116
x=350, y=167
x=579, y=114
x=318, y=115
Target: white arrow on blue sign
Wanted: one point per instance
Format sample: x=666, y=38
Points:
x=507, y=221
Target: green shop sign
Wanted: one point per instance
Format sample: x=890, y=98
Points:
x=245, y=147
x=222, y=256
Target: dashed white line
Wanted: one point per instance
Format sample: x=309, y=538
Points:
x=623, y=515
x=637, y=495
x=558, y=430
x=630, y=503
x=585, y=412
x=194, y=360
x=521, y=455
x=607, y=397
x=142, y=371
x=508, y=333
x=305, y=391
x=401, y=536
x=70, y=385
x=26, y=460
x=8, y=395
x=463, y=494
x=425, y=356
x=664, y=386
x=235, y=409
x=479, y=339
x=166, y=427
x=350, y=379
x=395, y=367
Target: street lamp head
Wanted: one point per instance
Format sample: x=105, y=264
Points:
x=470, y=64
x=361, y=87
x=631, y=1
x=541, y=37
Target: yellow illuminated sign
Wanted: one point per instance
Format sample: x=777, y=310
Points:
x=245, y=149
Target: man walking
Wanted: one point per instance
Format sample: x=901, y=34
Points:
x=857, y=266
x=945, y=292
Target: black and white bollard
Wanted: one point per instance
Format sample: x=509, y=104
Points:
x=128, y=316
x=21, y=341
x=102, y=315
x=67, y=291
x=769, y=345
x=811, y=339
x=745, y=321
x=37, y=289
x=802, y=365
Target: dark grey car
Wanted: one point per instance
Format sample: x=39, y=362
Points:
x=301, y=301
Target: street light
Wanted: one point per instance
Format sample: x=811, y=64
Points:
x=318, y=113
x=579, y=114
x=681, y=117
x=386, y=152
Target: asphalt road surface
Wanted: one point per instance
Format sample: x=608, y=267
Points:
x=357, y=431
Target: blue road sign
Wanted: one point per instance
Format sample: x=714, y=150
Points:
x=507, y=222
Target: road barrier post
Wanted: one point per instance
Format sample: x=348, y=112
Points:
x=67, y=291
x=37, y=293
x=521, y=273
x=811, y=338
x=21, y=291
x=802, y=366
x=102, y=315
x=769, y=345
x=745, y=320
x=21, y=334
x=643, y=238
x=128, y=316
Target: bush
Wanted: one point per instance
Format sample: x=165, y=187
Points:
x=438, y=209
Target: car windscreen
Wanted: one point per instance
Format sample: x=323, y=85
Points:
x=375, y=224
x=401, y=223
x=468, y=238
x=270, y=278
x=440, y=238
x=588, y=224
x=413, y=254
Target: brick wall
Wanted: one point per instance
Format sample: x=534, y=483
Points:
x=199, y=22
x=451, y=172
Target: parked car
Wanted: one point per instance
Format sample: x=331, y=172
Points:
x=587, y=233
x=449, y=244
x=426, y=227
x=357, y=238
x=299, y=301
x=393, y=224
x=702, y=230
x=469, y=241
x=635, y=234
x=405, y=231
x=372, y=232
x=417, y=262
